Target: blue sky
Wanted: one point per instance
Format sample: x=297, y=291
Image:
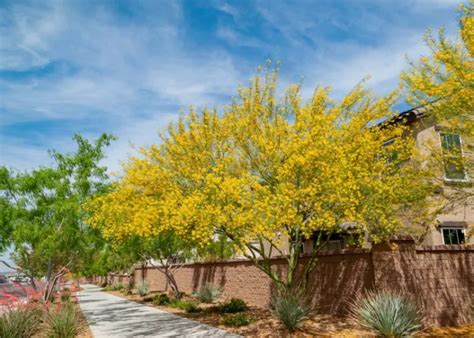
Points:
x=130, y=67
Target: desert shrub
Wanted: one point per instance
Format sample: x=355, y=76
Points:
x=63, y=321
x=189, y=307
x=389, y=313
x=119, y=287
x=208, y=294
x=290, y=309
x=65, y=295
x=162, y=299
x=233, y=306
x=20, y=322
x=142, y=288
x=239, y=319
x=115, y=287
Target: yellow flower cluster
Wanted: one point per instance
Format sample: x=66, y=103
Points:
x=444, y=81
x=267, y=166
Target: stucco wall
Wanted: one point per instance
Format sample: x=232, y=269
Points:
x=440, y=278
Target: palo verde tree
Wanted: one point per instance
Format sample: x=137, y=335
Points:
x=45, y=211
x=129, y=218
x=443, y=83
x=269, y=173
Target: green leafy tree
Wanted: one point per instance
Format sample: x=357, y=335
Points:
x=43, y=211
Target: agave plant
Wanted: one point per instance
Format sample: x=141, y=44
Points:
x=291, y=309
x=142, y=288
x=389, y=313
x=208, y=294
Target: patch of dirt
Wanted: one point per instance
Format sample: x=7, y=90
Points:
x=466, y=330
x=265, y=324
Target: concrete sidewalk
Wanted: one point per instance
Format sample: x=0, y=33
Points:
x=111, y=316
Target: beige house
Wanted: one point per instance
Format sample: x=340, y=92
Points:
x=452, y=224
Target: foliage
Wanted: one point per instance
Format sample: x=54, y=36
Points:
x=115, y=287
x=267, y=173
x=62, y=321
x=44, y=212
x=234, y=305
x=20, y=321
x=208, y=293
x=188, y=306
x=239, y=319
x=291, y=309
x=142, y=288
x=389, y=313
x=162, y=299
x=442, y=82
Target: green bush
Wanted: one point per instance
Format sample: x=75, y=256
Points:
x=290, y=309
x=119, y=287
x=142, y=288
x=389, y=313
x=239, y=319
x=233, y=306
x=208, y=294
x=20, y=322
x=189, y=307
x=63, y=321
x=115, y=287
x=162, y=299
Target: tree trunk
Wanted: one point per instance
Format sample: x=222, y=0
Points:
x=171, y=281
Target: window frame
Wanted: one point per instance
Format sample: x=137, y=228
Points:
x=461, y=145
x=463, y=230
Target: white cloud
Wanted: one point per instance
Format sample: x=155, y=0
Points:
x=137, y=76
x=130, y=77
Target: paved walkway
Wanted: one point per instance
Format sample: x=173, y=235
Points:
x=112, y=316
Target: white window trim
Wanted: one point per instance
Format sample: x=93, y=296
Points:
x=466, y=179
x=463, y=230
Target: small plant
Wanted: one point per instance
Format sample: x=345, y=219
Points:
x=192, y=308
x=20, y=322
x=189, y=307
x=62, y=321
x=290, y=309
x=119, y=287
x=233, y=306
x=142, y=288
x=208, y=294
x=239, y=319
x=162, y=299
x=115, y=287
x=389, y=313
x=66, y=295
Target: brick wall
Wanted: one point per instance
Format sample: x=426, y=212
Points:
x=440, y=278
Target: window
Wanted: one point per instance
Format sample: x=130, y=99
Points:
x=452, y=152
x=453, y=235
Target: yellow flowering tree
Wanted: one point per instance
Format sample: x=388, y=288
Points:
x=267, y=174
x=443, y=82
